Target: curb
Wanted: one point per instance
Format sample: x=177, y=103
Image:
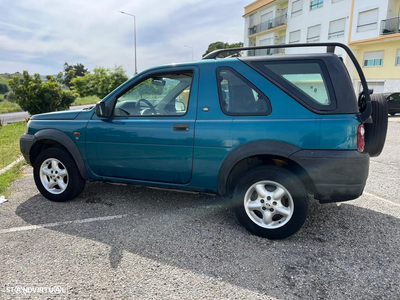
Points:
x=5, y=169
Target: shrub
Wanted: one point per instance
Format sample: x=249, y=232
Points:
x=36, y=96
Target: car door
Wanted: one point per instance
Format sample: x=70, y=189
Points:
x=149, y=136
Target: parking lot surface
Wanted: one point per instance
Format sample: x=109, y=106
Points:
x=128, y=242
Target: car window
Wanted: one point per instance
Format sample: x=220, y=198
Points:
x=238, y=96
x=307, y=81
x=307, y=77
x=159, y=95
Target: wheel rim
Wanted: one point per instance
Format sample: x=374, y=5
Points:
x=268, y=204
x=54, y=176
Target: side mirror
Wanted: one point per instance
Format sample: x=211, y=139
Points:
x=101, y=109
x=179, y=106
x=158, y=82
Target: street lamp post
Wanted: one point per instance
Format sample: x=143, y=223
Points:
x=134, y=31
x=190, y=48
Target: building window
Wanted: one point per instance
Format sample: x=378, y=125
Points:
x=251, y=20
x=316, y=4
x=297, y=8
x=398, y=57
x=294, y=37
x=334, y=1
x=336, y=28
x=264, y=42
x=266, y=21
x=313, y=33
x=373, y=59
x=368, y=20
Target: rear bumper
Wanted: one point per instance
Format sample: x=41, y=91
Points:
x=336, y=175
x=25, y=144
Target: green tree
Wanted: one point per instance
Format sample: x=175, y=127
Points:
x=100, y=82
x=67, y=80
x=221, y=45
x=73, y=71
x=79, y=69
x=3, y=88
x=9, y=96
x=36, y=96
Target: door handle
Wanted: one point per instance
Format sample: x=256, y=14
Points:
x=181, y=127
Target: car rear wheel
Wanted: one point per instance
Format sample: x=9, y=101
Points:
x=57, y=176
x=271, y=202
x=375, y=132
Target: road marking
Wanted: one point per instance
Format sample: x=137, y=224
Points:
x=383, y=199
x=33, y=227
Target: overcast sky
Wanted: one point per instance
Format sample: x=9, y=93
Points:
x=39, y=36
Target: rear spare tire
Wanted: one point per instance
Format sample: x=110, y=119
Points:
x=375, y=132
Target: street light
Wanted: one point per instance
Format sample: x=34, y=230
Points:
x=134, y=31
x=190, y=48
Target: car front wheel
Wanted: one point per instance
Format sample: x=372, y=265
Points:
x=271, y=202
x=57, y=176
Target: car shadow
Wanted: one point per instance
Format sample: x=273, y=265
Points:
x=340, y=252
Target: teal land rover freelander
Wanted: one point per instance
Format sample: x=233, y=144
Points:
x=263, y=132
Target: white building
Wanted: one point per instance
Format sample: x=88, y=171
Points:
x=370, y=27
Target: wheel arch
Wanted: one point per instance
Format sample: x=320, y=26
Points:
x=48, y=138
x=255, y=154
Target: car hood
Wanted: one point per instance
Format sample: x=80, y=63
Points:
x=59, y=115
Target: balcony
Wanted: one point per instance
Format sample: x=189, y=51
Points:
x=390, y=26
x=271, y=23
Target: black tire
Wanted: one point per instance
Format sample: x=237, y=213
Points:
x=73, y=179
x=296, y=191
x=392, y=114
x=375, y=132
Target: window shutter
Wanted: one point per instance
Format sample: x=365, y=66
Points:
x=337, y=28
x=368, y=20
x=294, y=37
x=373, y=55
x=313, y=33
x=266, y=17
x=297, y=5
x=337, y=25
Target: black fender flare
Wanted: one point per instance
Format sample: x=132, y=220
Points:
x=269, y=147
x=63, y=139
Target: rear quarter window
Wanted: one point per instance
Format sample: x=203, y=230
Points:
x=308, y=81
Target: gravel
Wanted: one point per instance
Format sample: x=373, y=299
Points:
x=169, y=245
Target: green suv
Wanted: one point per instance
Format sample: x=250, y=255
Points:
x=264, y=132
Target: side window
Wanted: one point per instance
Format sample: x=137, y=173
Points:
x=159, y=95
x=306, y=77
x=238, y=97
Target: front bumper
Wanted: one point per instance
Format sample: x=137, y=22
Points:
x=337, y=175
x=25, y=144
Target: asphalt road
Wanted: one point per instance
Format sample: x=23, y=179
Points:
x=127, y=242
x=9, y=118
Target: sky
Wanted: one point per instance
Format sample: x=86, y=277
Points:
x=39, y=36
